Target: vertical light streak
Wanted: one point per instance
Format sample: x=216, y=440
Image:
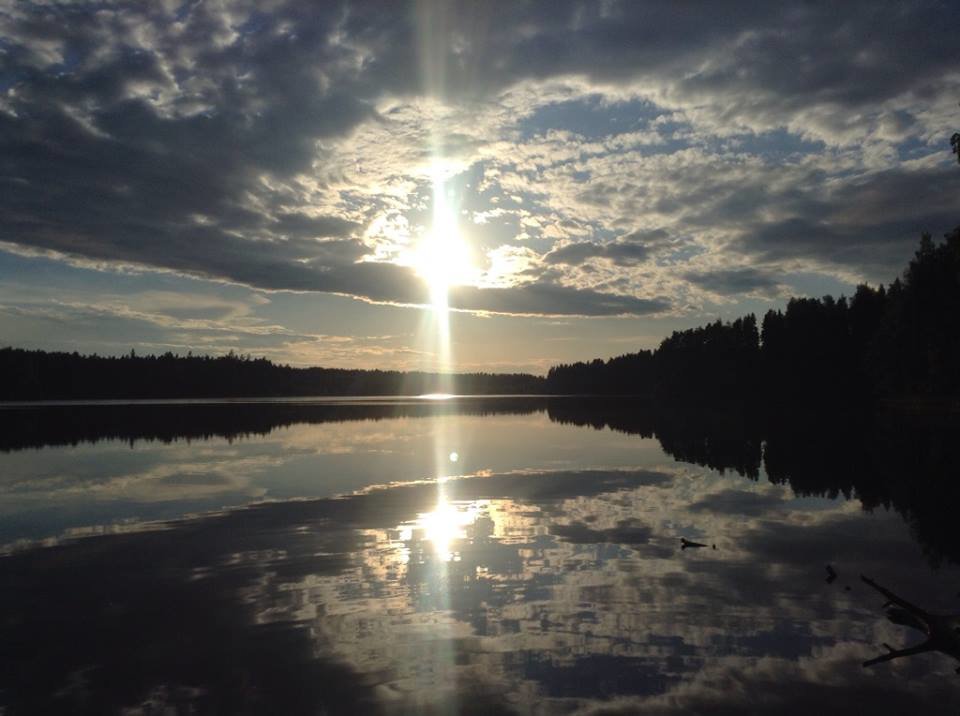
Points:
x=433, y=30
x=442, y=236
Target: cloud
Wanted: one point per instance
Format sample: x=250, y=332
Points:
x=626, y=252
x=625, y=532
x=781, y=686
x=293, y=148
x=738, y=281
x=554, y=300
x=738, y=502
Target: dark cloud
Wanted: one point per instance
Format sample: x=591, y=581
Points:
x=830, y=58
x=620, y=253
x=574, y=254
x=553, y=299
x=795, y=686
x=297, y=224
x=556, y=485
x=626, y=532
x=869, y=224
x=737, y=502
x=630, y=250
x=852, y=544
x=735, y=281
x=140, y=589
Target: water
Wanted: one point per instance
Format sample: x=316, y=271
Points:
x=468, y=556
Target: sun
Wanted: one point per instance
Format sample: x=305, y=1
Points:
x=442, y=259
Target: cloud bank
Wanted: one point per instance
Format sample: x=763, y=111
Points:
x=617, y=159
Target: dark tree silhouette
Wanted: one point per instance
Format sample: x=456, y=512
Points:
x=38, y=375
x=900, y=342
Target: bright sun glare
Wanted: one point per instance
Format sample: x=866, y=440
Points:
x=446, y=524
x=443, y=258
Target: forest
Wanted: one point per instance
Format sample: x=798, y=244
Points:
x=899, y=342
x=39, y=375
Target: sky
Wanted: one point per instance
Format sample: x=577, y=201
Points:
x=328, y=183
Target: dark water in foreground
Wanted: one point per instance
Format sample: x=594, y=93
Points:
x=305, y=558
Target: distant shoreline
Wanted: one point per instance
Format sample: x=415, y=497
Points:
x=423, y=399
x=34, y=376
x=908, y=407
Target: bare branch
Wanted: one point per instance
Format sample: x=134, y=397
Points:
x=897, y=653
x=894, y=599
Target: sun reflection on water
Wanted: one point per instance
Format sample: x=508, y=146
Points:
x=445, y=524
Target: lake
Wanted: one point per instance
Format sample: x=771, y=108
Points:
x=482, y=555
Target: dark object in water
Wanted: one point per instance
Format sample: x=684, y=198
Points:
x=942, y=630
x=684, y=543
x=831, y=574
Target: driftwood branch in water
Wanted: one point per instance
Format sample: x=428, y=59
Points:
x=943, y=631
x=894, y=599
x=897, y=653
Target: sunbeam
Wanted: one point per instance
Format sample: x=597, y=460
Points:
x=442, y=260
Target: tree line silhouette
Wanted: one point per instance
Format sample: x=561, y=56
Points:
x=899, y=341
x=39, y=375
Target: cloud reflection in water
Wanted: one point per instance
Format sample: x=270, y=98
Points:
x=525, y=591
x=551, y=590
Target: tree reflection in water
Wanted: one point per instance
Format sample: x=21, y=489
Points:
x=547, y=590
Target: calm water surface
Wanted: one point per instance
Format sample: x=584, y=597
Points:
x=475, y=556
